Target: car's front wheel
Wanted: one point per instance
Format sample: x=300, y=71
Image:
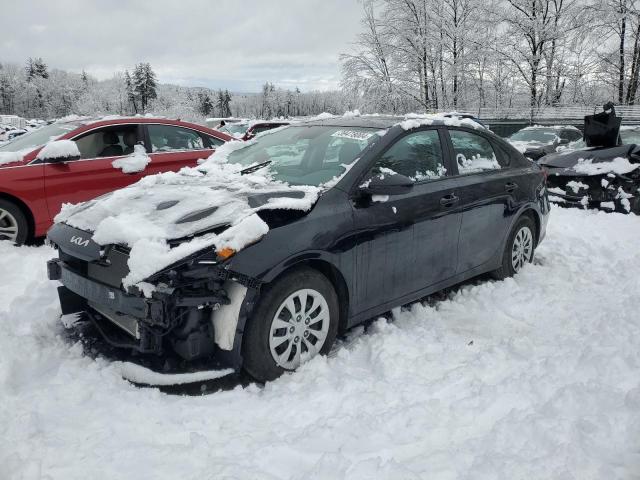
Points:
x=519, y=249
x=13, y=223
x=295, y=320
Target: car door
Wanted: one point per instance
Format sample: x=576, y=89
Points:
x=172, y=147
x=487, y=192
x=93, y=174
x=406, y=242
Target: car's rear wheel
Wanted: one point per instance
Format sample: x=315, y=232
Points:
x=13, y=223
x=519, y=249
x=295, y=320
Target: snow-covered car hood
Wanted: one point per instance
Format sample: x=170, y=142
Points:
x=594, y=161
x=209, y=206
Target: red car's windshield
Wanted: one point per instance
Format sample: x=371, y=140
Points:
x=39, y=137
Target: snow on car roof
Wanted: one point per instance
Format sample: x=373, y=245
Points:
x=410, y=120
x=555, y=127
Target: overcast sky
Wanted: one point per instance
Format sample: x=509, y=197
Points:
x=220, y=44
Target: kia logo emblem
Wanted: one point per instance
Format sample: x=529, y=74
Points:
x=81, y=242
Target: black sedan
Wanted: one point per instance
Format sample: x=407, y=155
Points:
x=258, y=258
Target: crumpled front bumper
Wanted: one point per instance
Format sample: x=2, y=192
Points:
x=607, y=192
x=135, y=315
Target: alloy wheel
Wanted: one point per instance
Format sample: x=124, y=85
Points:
x=8, y=226
x=299, y=328
x=522, y=249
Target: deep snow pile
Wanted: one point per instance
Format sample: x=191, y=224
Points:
x=536, y=377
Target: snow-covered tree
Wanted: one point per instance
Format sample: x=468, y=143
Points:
x=144, y=85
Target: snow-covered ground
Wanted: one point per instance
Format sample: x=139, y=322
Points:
x=536, y=377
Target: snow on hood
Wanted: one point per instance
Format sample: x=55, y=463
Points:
x=592, y=161
x=12, y=157
x=214, y=196
x=618, y=165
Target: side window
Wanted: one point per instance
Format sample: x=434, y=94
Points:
x=108, y=142
x=473, y=152
x=167, y=138
x=417, y=156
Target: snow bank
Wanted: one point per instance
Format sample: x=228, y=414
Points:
x=618, y=165
x=322, y=116
x=136, y=162
x=59, y=149
x=535, y=377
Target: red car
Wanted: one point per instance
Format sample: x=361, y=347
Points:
x=32, y=190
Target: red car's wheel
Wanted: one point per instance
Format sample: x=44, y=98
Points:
x=13, y=223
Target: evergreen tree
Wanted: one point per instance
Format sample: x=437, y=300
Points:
x=227, y=103
x=131, y=96
x=36, y=68
x=6, y=95
x=144, y=84
x=40, y=68
x=206, y=104
x=220, y=104
x=30, y=69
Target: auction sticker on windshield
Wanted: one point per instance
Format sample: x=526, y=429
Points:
x=352, y=134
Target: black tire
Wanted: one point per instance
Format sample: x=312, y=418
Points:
x=11, y=215
x=257, y=358
x=507, y=268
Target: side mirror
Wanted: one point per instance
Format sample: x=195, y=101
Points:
x=59, y=151
x=387, y=184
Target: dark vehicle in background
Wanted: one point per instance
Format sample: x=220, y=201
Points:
x=248, y=130
x=605, y=175
x=537, y=141
x=33, y=189
x=421, y=206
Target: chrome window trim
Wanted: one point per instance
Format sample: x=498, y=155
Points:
x=32, y=162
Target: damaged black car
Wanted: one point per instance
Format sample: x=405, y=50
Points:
x=606, y=175
x=261, y=255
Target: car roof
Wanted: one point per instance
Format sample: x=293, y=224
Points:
x=88, y=123
x=371, y=121
x=387, y=121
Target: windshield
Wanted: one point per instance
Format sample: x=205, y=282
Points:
x=37, y=138
x=534, y=135
x=235, y=128
x=302, y=155
x=630, y=136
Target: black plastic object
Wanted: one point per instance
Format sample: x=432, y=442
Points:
x=602, y=129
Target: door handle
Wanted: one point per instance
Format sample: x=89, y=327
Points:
x=511, y=187
x=449, y=200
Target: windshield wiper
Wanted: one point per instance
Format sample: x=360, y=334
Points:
x=253, y=168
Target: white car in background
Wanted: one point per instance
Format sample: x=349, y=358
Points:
x=537, y=141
